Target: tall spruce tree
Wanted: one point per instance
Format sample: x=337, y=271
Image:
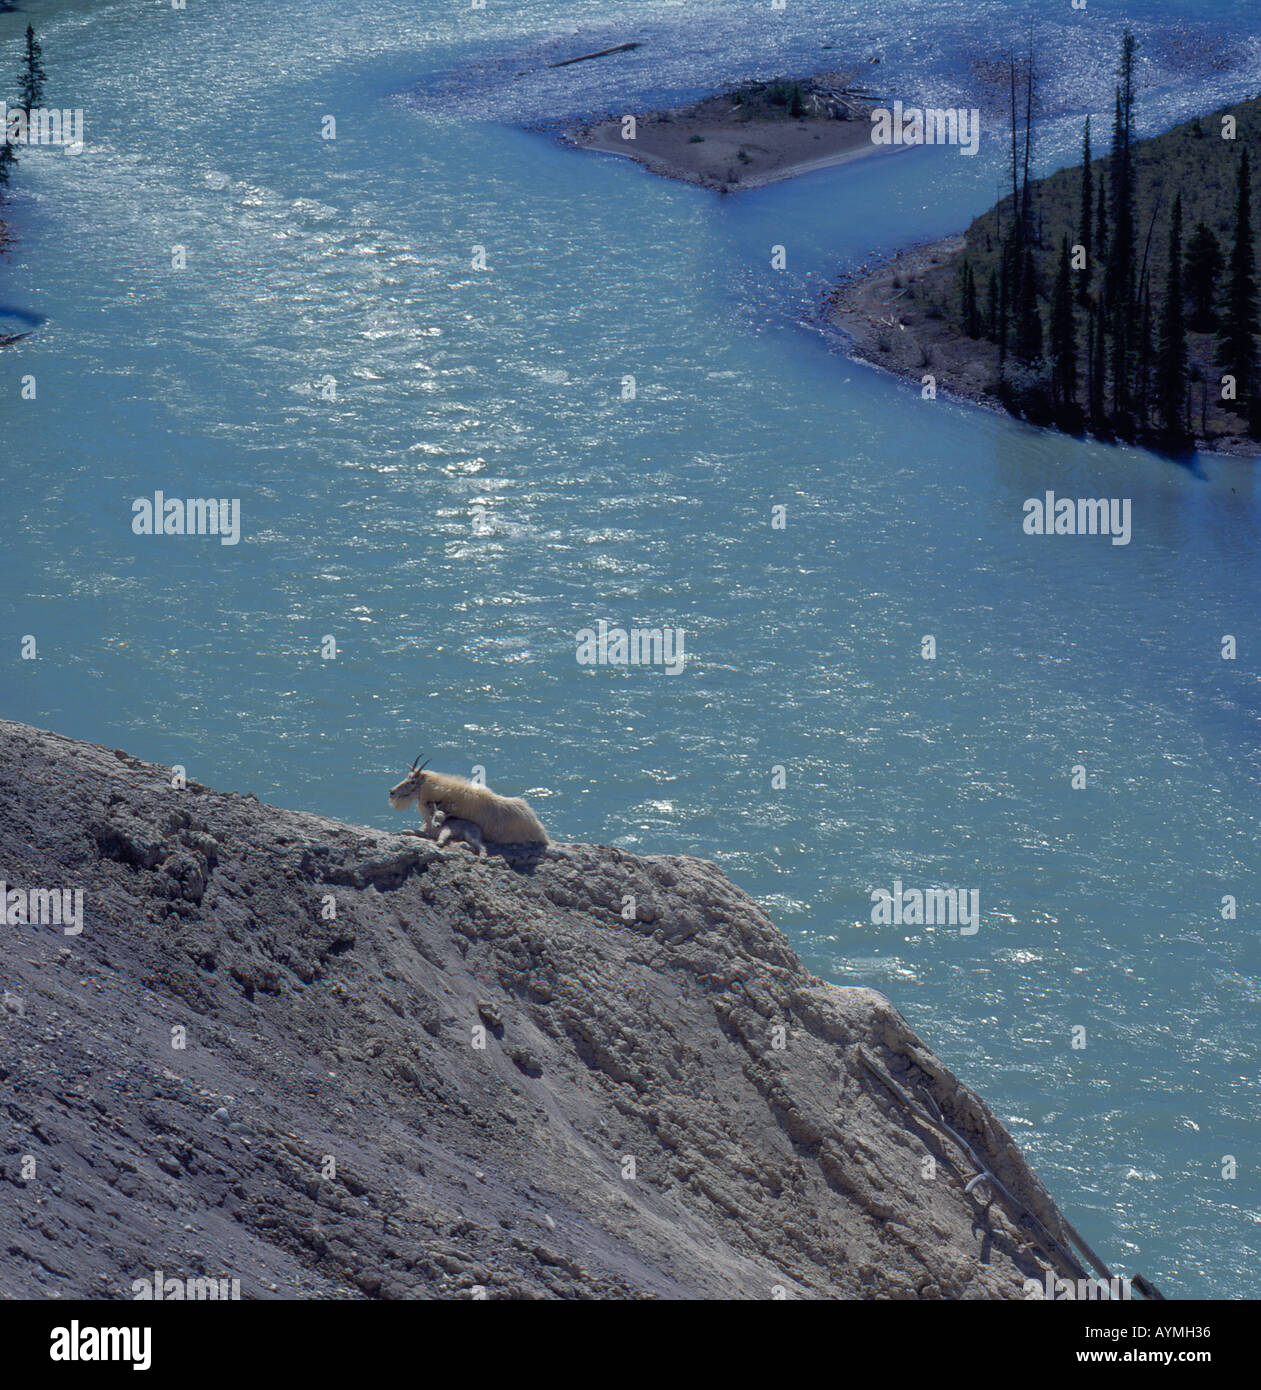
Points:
x=1019, y=319
x=1171, y=358
x=1102, y=250
x=1120, y=283
x=1144, y=356
x=33, y=77
x=1099, y=351
x=1063, y=334
x=1237, y=344
x=1090, y=361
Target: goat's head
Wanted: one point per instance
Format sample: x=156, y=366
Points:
x=410, y=789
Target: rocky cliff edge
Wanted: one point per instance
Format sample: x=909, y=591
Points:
x=328, y=1061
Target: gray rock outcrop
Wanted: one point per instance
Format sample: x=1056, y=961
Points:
x=566, y=1073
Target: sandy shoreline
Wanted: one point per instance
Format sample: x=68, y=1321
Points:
x=880, y=310
x=760, y=134
x=668, y=169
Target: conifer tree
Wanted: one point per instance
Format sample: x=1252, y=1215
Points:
x=31, y=82
x=1063, y=334
x=1101, y=224
x=1113, y=294
x=1100, y=317
x=1090, y=361
x=1120, y=281
x=1171, y=360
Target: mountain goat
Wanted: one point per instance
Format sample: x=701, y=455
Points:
x=503, y=820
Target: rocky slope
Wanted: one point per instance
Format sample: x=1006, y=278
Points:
x=665, y=1105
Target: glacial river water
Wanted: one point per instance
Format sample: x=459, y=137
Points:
x=472, y=490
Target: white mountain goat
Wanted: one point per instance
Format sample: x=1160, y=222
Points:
x=503, y=820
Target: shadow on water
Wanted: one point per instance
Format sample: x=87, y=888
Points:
x=1182, y=452
x=17, y=318
x=22, y=316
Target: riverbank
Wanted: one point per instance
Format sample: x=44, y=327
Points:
x=889, y=314
x=753, y=135
x=895, y=315
x=1073, y=361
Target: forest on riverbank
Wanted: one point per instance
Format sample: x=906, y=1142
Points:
x=1116, y=297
